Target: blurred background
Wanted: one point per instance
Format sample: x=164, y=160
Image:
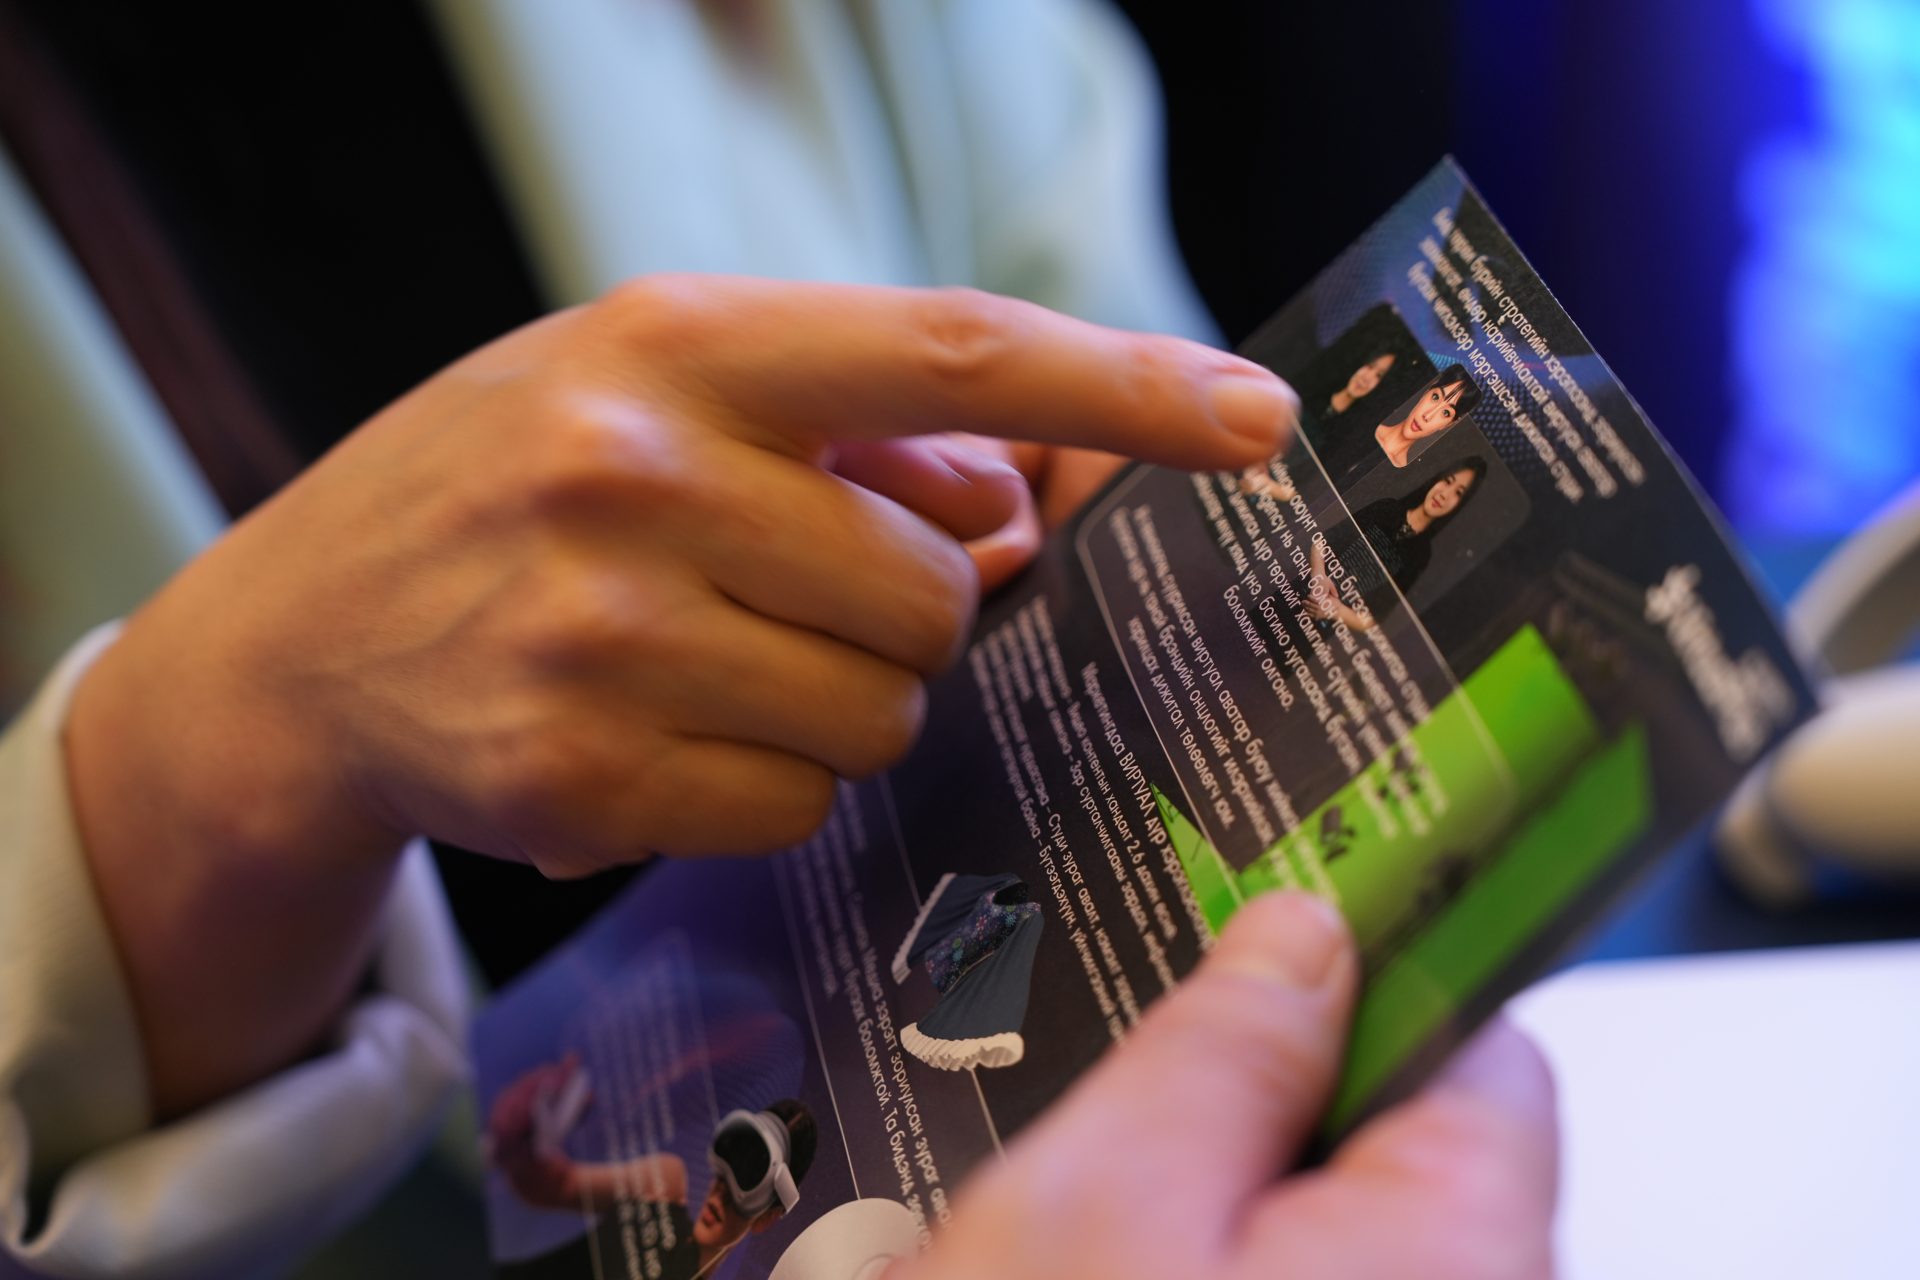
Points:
x=289, y=217
x=1725, y=194
x=293, y=222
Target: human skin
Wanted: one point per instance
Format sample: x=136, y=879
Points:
x=1179, y=1154
x=1223, y=1081
x=1259, y=481
x=1323, y=598
x=1442, y=498
x=550, y=1179
x=1435, y=412
x=592, y=593
x=1363, y=383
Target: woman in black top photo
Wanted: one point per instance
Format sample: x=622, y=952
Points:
x=1391, y=539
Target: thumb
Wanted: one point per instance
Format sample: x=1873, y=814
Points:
x=1226, y=1077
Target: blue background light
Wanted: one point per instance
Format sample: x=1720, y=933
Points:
x=1726, y=196
x=1824, y=305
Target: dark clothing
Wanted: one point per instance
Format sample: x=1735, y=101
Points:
x=976, y=938
x=655, y=1242
x=990, y=998
x=1344, y=442
x=1380, y=539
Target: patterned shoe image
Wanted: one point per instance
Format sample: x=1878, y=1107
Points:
x=976, y=936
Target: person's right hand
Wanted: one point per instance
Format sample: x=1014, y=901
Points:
x=1172, y=1157
x=591, y=592
x=643, y=576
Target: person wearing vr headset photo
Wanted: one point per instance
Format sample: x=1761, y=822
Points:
x=758, y=1159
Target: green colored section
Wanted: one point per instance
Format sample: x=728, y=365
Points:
x=1275, y=871
x=1404, y=848
x=1559, y=851
x=1413, y=828
x=1430, y=804
x=1433, y=803
x=1208, y=874
x=1533, y=711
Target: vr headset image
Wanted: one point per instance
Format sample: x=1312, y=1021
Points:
x=750, y=1154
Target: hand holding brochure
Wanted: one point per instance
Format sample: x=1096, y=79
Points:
x=1461, y=660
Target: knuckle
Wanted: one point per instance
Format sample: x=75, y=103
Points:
x=765, y=807
x=567, y=807
x=585, y=618
x=751, y=520
x=597, y=449
x=1274, y=1042
x=960, y=335
x=1148, y=369
x=539, y=781
x=571, y=462
x=660, y=312
x=890, y=726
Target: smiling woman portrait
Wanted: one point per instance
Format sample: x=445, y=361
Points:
x=1363, y=382
x=1389, y=542
x=1446, y=400
x=1374, y=414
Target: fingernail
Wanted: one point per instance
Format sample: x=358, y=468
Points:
x=975, y=466
x=1299, y=938
x=999, y=472
x=1255, y=406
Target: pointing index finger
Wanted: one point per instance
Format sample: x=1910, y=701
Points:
x=797, y=365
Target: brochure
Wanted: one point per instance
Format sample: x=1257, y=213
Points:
x=1462, y=659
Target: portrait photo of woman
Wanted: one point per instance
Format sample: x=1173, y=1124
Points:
x=1397, y=432
x=1387, y=543
x=1443, y=402
x=1361, y=383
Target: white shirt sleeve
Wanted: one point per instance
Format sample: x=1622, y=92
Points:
x=88, y=1185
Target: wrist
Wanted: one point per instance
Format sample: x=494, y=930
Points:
x=242, y=892
x=177, y=743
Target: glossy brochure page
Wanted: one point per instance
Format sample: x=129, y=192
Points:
x=1462, y=660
